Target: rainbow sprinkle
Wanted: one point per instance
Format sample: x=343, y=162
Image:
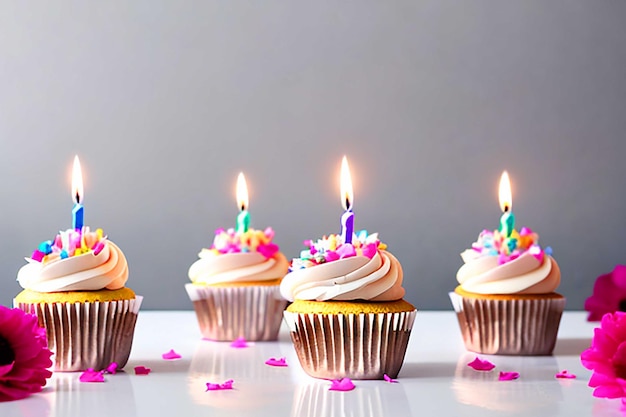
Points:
x=331, y=248
x=70, y=243
x=229, y=241
x=509, y=248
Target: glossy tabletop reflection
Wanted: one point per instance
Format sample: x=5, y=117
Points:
x=435, y=379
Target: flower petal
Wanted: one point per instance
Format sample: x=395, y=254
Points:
x=565, y=374
x=142, y=370
x=481, y=365
x=508, y=376
x=217, y=387
x=344, y=384
x=239, y=343
x=171, y=355
x=91, y=376
x=389, y=379
x=276, y=362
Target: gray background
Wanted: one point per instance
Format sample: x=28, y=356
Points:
x=165, y=102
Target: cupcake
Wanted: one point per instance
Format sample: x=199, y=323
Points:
x=347, y=317
x=75, y=285
x=235, y=286
x=506, y=301
x=235, y=283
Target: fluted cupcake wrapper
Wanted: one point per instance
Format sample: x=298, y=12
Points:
x=509, y=327
x=356, y=346
x=87, y=335
x=253, y=312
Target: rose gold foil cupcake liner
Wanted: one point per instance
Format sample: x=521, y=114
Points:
x=356, y=346
x=87, y=335
x=509, y=327
x=227, y=313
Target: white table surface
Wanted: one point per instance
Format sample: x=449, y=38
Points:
x=434, y=380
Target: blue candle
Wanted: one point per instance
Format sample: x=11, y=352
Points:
x=78, y=211
x=507, y=221
x=243, y=218
x=347, y=200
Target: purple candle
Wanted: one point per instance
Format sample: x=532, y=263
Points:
x=347, y=200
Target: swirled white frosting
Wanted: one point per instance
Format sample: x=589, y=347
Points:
x=108, y=269
x=524, y=275
x=219, y=268
x=352, y=278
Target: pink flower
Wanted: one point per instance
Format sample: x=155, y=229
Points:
x=24, y=355
x=609, y=294
x=607, y=357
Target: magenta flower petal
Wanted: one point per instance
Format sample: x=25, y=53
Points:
x=609, y=294
x=217, y=387
x=24, y=355
x=239, y=343
x=508, y=376
x=171, y=355
x=481, y=365
x=142, y=370
x=276, y=362
x=389, y=379
x=565, y=374
x=344, y=384
x=91, y=376
x=111, y=369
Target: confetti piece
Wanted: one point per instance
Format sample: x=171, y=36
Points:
x=218, y=387
x=508, y=376
x=91, y=376
x=276, y=362
x=171, y=355
x=344, y=384
x=390, y=379
x=142, y=370
x=240, y=343
x=565, y=374
x=111, y=369
x=481, y=365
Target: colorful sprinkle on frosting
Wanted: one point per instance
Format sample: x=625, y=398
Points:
x=331, y=248
x=229, y=241
x=70, y=243
x=509, y=248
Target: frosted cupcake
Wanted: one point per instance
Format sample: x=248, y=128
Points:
x=348, y=318
x=75, y=285
x=235, y=283
x=506, y=301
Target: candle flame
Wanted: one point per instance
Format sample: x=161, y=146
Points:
x=242, y=192
x=506, y=197
x=347, y=196
x=77, y=182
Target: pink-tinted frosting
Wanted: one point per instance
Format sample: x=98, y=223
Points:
x=215, y=268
